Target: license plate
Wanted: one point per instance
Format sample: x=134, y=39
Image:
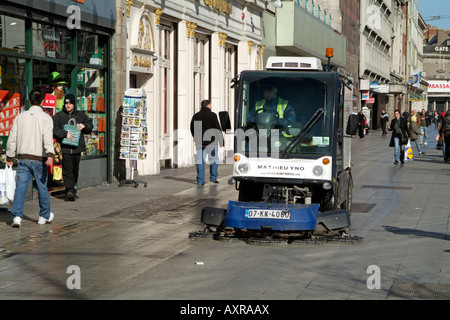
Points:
x=267, y=214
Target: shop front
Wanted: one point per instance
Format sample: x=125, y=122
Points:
x=60, y=47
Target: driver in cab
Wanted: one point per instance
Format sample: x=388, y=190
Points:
x=284, y=112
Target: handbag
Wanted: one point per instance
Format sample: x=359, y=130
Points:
x=71, y=127
x=439, y=145
x=57, y=159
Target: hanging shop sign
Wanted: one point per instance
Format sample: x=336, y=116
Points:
x=142, y=61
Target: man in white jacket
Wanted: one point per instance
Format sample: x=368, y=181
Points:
x=31, y=138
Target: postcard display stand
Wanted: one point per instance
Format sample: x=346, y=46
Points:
x=134, y=133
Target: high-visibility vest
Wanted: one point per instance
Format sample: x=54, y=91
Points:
x=282, y=105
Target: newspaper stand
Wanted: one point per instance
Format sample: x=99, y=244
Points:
x=134, y=133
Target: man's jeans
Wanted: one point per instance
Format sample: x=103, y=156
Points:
x=423, y=138
x=200, y=160
x=26, y=170
x=399, y=150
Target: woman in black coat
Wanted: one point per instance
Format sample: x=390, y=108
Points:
x=400, y=135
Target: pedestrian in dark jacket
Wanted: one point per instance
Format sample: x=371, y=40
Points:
x=399, y=137
x=207, y=133
x=71, y=154
x=362, y=123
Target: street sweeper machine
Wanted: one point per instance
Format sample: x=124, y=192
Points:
x=291, y=156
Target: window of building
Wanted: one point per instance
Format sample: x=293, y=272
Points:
x=52, y=41
x=12, y=34
x=166, y=34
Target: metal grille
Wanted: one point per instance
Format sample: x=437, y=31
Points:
x=414, y=290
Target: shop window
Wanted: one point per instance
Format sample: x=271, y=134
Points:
x=52, y=41
x=12, y=34
x=91, y=48
x=91, y=100
x=12, y=93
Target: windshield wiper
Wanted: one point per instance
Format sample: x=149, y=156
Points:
x=308, y=126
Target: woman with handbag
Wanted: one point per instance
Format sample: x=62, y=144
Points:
x=69, y=127
x=399, y=137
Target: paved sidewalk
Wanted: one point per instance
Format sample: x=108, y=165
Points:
x=132, y=243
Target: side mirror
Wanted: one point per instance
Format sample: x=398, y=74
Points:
x=225, y=122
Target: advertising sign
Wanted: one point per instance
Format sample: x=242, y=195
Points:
x=10, y=101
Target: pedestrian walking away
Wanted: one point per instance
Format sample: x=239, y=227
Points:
x=71, y=153
x=399, y=137
x=414, y=134
x=384, y=119
x=207, y=134
x=31, y=139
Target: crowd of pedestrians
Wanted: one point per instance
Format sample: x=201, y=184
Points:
x=413, y=128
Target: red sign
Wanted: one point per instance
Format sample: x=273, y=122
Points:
x=10, y=111
x=49, y=104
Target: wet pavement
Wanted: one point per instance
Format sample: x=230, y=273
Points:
x=133, y=243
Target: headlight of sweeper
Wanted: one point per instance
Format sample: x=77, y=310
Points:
x=318, y=171
x=243, y=168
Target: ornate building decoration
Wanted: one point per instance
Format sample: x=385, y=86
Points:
x=145, y=34
x=222, y=39
x=158, y=13
x=191, y=27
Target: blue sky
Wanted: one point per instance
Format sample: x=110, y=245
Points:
x=434, y=8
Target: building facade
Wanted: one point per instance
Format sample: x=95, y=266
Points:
x=437, y=68
x=180, y=53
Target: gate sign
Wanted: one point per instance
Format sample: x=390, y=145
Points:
x=11, y=102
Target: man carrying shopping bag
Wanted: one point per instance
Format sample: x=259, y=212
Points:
x=31, y=139
x=69, y=127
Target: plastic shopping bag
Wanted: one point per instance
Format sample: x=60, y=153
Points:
x=3, y=197
x=408, y=151
x=71, y=127
x=10, y=183
x=57, y=173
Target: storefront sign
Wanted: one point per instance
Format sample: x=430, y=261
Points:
x=142, y=62
x=220, y=6
x=441, y=49
x=414, y=97
x=11, y=109
x=439, y=86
